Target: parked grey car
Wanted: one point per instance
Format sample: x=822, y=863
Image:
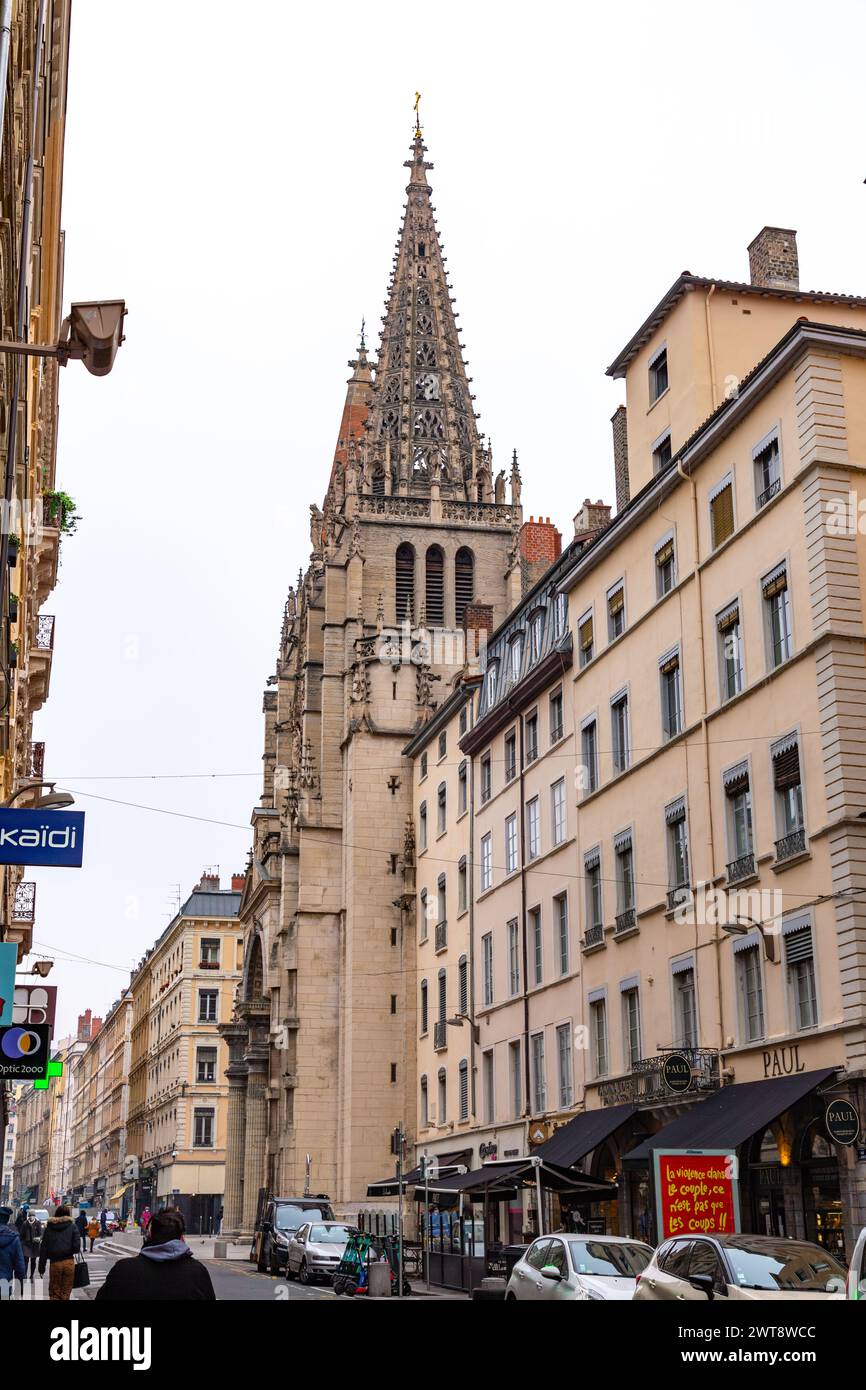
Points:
x=316, y=1249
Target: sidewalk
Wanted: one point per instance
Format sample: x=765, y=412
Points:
x=130, y=1243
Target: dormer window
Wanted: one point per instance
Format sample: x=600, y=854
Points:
x=490, y=684
x=515, y=657
x=536, y=632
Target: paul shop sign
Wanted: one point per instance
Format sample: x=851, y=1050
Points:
x=41, y=838
x=696, y=1192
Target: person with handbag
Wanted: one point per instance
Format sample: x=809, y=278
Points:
x=31, y=1233
x=60, y=1244
x=12, y=1264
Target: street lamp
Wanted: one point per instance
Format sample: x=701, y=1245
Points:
x=40, y=968
x=91, y=334
x=51, y=801
x=457, y=1022
x=741, y=926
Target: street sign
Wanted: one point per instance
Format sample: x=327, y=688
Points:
x=50, y=838
x=24, y=1053
x=34, y=1004
x=842, y=1121
x=8, y=961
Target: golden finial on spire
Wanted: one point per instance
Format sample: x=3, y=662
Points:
x=417, y=116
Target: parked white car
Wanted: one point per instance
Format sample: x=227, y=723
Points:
x=581, y=1267
x=690, y=1268
x=855, y=1284
x=315, y=1249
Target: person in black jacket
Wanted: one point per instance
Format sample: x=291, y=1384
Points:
x=165, y=1270
x=60, y=1244
x=81, y=1223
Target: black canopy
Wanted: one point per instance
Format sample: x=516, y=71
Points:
x=388, y=1187
x=583, y=1134
x=502, y=1178
x=730, y=1116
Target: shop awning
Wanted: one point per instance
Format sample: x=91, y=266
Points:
x=388, y=1187
x=730, y=1116
x=580, y=1136
x=116, y=1196
x=508, y=1176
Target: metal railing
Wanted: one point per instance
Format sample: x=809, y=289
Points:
x=45, y=632
x=36, y=764
x=593, y=936
x=440, y=1036
x=625, y=922
x=741, y=868
x=24, y=909
x=682, y=893
x=769, y=492
x=441, y=936
x=789, y=845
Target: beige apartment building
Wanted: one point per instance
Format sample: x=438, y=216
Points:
x=99, y=1109
x=678, y=753
x=180, y=994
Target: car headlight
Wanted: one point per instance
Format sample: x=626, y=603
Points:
x=280, y=1238
x=587, y=1295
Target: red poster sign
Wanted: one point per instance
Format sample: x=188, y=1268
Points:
x=696, y=1193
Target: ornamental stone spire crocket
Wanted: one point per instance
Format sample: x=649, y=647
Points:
x=421, y=426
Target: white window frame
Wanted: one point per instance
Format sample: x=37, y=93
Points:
x=511, y=844
x=533, y=829
x=669, y=539
x=485, y=863
x=773, y=435
x=652, y=367
x=715, y=491
x=558, y=813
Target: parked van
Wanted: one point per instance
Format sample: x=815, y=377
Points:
x=280, y=1218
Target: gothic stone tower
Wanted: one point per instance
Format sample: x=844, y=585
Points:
x=414, y=544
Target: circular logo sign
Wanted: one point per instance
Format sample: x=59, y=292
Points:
x=21, y=1042
x=842, y=1121
x=677, y=1072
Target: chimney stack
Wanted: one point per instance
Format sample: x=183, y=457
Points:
x=619, y=423
x=209, y=882
x=592, y=518
x=773, y=261
x=84, y=1020
x=95, y=1027
x=238, y=881
x=477, y=625
x=539, y=545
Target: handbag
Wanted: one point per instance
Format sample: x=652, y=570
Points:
x=81, y=1277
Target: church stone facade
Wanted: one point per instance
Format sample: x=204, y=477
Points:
x=415, y=551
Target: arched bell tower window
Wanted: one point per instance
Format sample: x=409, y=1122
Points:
x=405, y=582
x=464, y=582
x=435, y=586
x=379, y=483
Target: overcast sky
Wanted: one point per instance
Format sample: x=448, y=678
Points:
x=235, y=172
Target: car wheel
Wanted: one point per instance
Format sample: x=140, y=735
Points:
x=304, y=1274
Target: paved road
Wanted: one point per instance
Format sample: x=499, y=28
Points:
x=232, y=1280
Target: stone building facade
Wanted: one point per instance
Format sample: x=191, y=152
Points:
x=415, y=550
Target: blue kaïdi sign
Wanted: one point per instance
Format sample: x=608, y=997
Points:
x=51, y=838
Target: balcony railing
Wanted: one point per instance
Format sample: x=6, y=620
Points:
x=593, y=936
x=45, y=632
x=646, y=1085
x=678, y=896
x=769, y=492
x=741, y=868
x=790, y=845
x=441, y=936
x=625, y=922
x=36, y=763
x=440, y=1036
x=25, y=903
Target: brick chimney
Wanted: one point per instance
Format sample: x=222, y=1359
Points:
x=539, y=545
x=209, y=882
x=592, y=518
x=238, y=881
x=620, y=456
x=95, y=1027
x=83, y=1032
x=773, y=261
x=478, y=625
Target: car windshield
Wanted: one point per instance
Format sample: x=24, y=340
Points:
x=790, y=1265
x=607, y=1259
x=289, y=1218
x=330, y=1235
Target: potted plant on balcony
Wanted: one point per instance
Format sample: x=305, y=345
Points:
x=13, y=608
x=12, y=553
x=60, y=511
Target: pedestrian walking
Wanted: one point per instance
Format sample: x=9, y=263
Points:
x=12, y=1264
x=165, y=1270
x=61, y=1242
x=144, y=1221
x=103, y=1223
x=81, y=1223
x=92, y=1231
x=30, y=1235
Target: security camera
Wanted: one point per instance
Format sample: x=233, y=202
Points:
x=93, y=333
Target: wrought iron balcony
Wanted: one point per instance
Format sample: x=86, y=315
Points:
x=646, y=1083
x=36, y=763
x=45, y=632
x=769, y=492
x=791, y=845
x=625, y=922
x=741, y=868
x=440, y=1036
x=24, y=909
x=679, y=896
x=441, y=936
x=593, y=936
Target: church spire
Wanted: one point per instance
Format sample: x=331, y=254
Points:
x=421, y=423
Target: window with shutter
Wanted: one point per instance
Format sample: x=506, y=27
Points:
x=585, y=639
x=722, y=513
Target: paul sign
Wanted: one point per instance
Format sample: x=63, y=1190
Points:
x=842, y=1121
x=51, y=838
x=677, y=1072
